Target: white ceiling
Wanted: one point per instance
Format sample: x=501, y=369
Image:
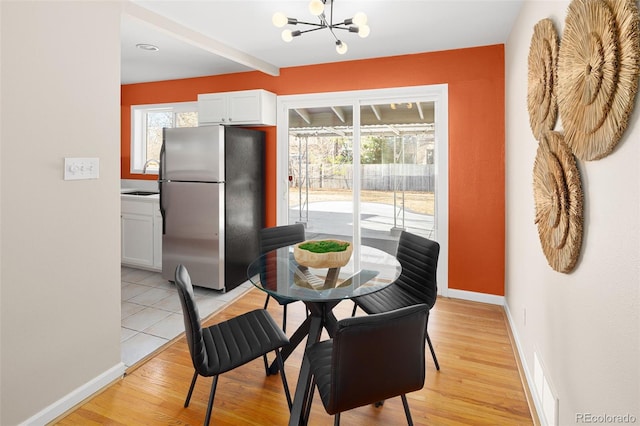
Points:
x=210, y=37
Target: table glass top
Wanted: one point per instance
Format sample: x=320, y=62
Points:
x=368, y=270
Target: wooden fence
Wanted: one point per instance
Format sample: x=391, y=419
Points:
x=376, y=177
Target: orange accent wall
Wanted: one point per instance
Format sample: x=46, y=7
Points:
x=475, y=78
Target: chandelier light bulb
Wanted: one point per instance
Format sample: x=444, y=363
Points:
x=279, y=19
x=363, y=31
x=287, y=36
x=341, y=47
x=316, y=7
x=360, y=19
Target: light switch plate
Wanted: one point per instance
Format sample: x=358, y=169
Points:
x=81, y=168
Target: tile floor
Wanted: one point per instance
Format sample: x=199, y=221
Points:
x=151, y=313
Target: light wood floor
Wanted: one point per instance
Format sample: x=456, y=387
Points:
x=478, y=384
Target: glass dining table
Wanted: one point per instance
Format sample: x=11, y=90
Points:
x=321, y=289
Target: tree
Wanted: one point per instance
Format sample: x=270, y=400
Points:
x=374, y=150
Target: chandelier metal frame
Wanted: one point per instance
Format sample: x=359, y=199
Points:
x=356, y=24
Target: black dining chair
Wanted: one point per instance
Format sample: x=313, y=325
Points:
x=417, y=282
x=224, y=346
x=275, y=238
x=370, y=358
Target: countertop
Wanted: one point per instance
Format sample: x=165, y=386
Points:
x=125, y=196
x=129, y=185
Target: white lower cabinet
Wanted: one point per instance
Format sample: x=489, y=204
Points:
x=141, y=233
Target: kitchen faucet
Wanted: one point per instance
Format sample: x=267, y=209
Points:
x=144, y=168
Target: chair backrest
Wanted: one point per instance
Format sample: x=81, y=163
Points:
x=419, y=259
x=378, y=356
x=192, y=323
x=280, y=236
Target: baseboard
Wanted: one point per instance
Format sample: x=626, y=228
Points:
x=475, y=297
x=525, y=373
x=77, y=396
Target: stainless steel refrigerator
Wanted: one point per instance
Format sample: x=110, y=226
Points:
x=212, y=202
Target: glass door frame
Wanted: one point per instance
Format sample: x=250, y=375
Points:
x=438, y=94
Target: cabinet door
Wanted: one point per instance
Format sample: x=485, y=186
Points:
x=244, y=107
x=212, y=109
x=137, y=239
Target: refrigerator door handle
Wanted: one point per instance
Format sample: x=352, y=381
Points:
x=162, y=209
x=161, y=167
x=160, y=182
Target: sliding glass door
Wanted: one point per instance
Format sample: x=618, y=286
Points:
x=397, y=179
x=363, y=166
x=320, y=170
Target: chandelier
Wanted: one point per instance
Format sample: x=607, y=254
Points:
x=357, y=24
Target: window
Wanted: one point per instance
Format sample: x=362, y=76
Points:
x=147, y=122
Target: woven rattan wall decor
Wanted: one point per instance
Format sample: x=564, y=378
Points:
x=598, y=68
x=558, y=197
x=542, y=77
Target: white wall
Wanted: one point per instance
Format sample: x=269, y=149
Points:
x=585, y=326
x=60, y=253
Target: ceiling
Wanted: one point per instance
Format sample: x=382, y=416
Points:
x=211, y=37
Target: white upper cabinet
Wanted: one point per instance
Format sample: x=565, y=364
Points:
x=246, y=107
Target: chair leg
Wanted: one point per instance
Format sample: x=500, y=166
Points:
x=406, y=409
x=207, y=418
x=266, y=364
x=284, y=318
x=355, y=306
x=336, y=420
x=284, y=328
x=284, y=378
x=264, y=357
x=193, y=383
x=433, y=353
